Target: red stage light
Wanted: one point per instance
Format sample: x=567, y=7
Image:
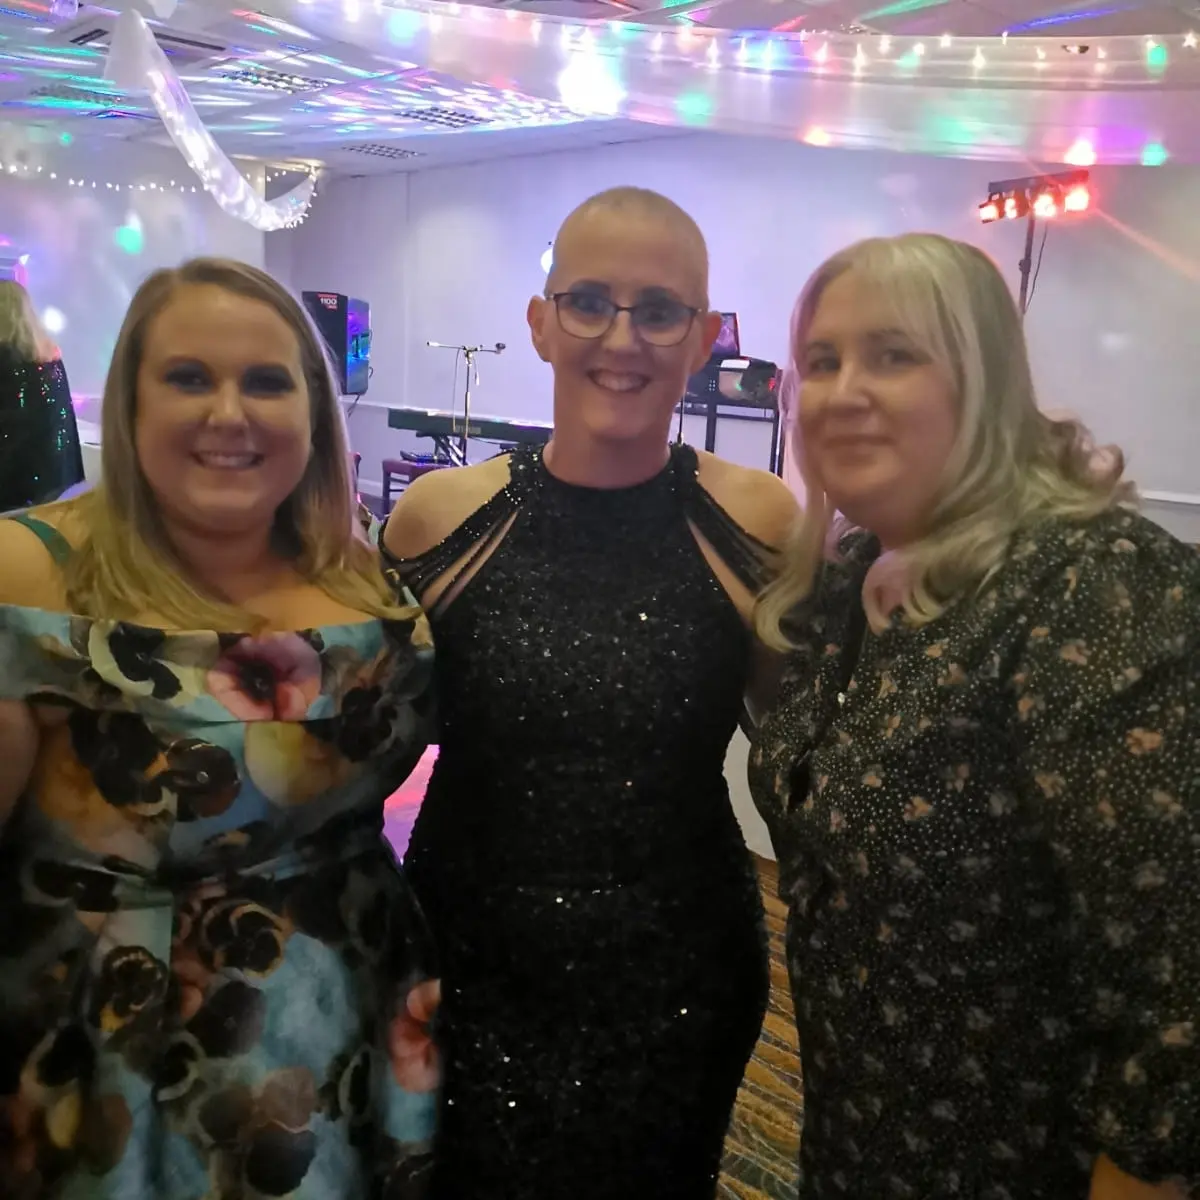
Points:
x=1012, y=210
x=1078, y=199
x=989, y=211
x=1045, y=204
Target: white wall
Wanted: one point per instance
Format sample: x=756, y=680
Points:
x=79, y=264
x=453, y=255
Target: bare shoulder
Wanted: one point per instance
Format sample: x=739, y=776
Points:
x=30, y=577
x=761, y=503
x=437, y=503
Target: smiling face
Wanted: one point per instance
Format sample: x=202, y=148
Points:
x=877, y=419
x=623, y=385
x=223, y=417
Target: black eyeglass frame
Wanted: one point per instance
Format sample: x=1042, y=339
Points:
x=617, y=309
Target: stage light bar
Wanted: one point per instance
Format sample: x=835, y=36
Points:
x=1041, y=196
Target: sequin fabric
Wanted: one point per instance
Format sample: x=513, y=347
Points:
x=990, y=842
x=39, y=441
x=603, y=956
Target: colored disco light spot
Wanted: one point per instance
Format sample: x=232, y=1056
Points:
x=53, y=320
x=1156, y=58
x=694, y=108
x=129, y=238
x=66, y=138
x=1154, y=154
x=817, y=137
x=403, y=25
x=1066, y=18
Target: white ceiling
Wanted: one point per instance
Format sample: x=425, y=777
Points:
x=269, y=87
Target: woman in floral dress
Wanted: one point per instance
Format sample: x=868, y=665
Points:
x=982, y=776
x=214, y=981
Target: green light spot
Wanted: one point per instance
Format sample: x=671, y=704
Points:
x=66, y=138
x=129, y=238
x=909, y=62
x=1154, y=154
x=1156, y=59
x=694, y=108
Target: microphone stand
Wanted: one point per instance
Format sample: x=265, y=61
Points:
x=468, y=353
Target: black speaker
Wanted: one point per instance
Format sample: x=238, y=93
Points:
x=345, y=324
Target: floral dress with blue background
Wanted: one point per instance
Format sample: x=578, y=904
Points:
x=214, y=981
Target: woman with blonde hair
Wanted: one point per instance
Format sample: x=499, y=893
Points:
x=39, y=440
x=213, y=977
x=982, y=772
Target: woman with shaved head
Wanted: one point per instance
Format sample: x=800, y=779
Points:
x=598, y=915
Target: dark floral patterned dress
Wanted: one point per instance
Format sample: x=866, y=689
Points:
x=989, y=836
x=205, y=945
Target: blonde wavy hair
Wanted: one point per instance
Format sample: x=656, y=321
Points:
x=125, y=565
x=1012, y=463
x=20, y=327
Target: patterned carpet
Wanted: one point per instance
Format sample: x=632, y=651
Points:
x=764, y=1136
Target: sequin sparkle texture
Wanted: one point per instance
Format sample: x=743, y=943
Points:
x=39, y=439
x=604, y=966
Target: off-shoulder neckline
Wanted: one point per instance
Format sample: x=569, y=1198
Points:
x=136, y=627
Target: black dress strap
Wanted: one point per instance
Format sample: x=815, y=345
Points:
x=469, y=542
x=60, y=549
x=752, y=561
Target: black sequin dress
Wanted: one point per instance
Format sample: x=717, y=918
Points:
x=39, y=440
x=604, y=965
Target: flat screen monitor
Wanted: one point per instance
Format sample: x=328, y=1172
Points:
x=729, y=341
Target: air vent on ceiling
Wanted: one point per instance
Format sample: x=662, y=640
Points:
x=440, y=115
x=184, y=49
x=381, y=150
x=275, y=81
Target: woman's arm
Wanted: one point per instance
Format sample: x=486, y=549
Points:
x=1108, y=731
x=18, y=750
x=29, y=579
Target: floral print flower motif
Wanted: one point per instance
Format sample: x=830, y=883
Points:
x=293, y=762
x=88, y=889
x=202, y=777
x=276, y=677
x=347, y=1091
x=416, y=1066
x=367, y=722
x=134, y=659
x=230, y=1021
x=51, y=1105
x=237, y=934
x=122, y=755
x=403, y=1176
x=260, y=1136
x=131, y=985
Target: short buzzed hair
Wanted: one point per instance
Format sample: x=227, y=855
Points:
x=641, y=202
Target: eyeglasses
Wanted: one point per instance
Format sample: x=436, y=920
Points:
x=660, y=323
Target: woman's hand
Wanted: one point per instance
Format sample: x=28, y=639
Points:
x=416, y=1064
x=18, y=751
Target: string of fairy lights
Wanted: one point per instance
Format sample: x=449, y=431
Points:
x=782, y=49
x=769, y=51
x=39, y=173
